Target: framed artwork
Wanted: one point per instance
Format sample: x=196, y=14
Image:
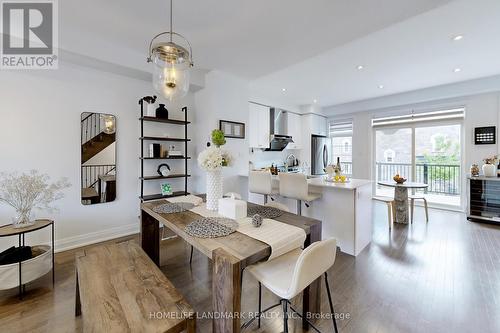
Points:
x=232, y=129
x=166, y=189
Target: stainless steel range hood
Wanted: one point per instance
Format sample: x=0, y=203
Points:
x=278, y=122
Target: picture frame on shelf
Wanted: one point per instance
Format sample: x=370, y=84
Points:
x=232, y=129
x=166, y=189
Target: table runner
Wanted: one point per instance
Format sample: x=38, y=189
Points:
x=281, y=237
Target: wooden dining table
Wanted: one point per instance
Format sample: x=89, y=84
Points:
x=229, y=255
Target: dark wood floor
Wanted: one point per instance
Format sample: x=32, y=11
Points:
x=440, y=277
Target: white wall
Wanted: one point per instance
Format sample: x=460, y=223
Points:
x=224, y=97
x=40, y=112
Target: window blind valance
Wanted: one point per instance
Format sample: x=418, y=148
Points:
x=415, y=117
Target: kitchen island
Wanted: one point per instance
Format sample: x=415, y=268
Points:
x=344, y=208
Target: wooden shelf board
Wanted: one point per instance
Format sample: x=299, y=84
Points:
x=162, y=177
x=160, y=196
x=159, y=138
x=167, y=121
x=166, y=158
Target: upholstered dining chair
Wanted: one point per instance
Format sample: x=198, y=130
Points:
x=288, y=275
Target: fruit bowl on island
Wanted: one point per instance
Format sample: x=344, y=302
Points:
x=398, y=179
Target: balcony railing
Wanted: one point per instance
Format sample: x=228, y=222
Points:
x=441, y=178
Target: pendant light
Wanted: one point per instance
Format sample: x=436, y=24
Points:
x=171, y=64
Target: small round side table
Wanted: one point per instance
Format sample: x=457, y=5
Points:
x=8, y=230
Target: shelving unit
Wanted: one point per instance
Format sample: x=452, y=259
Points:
x=143, y=138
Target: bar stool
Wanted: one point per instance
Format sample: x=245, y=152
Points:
x=260, y=182
x=391, y=209
x=412, y=206
x=288, y=275
x=294, y=186
x=278, y=205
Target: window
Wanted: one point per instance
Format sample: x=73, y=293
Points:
x=340, y=133
x=425, y=148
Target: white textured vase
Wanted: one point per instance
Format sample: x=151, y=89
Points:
x=214, y=189
x=489, y=170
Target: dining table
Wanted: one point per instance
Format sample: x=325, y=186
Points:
x=229, y=256
x=401, y=198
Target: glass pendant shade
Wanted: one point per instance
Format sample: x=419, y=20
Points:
x=171, y=70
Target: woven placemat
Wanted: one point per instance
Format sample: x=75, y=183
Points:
x=264, y=211
x=169, y=207
x=211, y=227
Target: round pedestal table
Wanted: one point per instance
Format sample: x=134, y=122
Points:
x=401, y=198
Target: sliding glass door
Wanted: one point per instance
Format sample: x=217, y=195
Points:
x=427, y=153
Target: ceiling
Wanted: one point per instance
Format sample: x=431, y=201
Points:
x=246, y=38
x=416, y=53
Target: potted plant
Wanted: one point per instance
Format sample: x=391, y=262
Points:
x=29, y=191
x=489, y=166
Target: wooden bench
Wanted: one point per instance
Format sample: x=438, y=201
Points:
x=119, y=289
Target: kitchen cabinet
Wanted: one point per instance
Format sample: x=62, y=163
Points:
x=295, y=130
x=318, y=125
x=258, y=126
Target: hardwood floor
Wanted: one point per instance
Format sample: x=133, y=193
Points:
x=439, y=277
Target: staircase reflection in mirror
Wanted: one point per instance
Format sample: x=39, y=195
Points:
x=98, y=158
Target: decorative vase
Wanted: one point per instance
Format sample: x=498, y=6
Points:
x=474, y=170
x=22, y=218
x=150, y=110
x=162, y=112
x=489, y=170
x=214, y=189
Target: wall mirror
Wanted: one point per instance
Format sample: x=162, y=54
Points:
x=98, y=158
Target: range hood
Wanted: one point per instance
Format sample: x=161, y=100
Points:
x=278, y=125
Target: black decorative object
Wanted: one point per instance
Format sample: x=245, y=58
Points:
x=154, y=150
x=232, y=129
x=257, y=220
x=162, y=112
x=149, y=99
x=163, y=167
x=485, y=135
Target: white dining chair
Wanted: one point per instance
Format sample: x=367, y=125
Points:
x=289, y=274
x=295, y=186
x=261, y=182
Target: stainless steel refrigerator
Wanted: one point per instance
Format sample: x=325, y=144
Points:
x=320, y=154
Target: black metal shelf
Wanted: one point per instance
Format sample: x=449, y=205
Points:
x=142, y=158
x=160, y=196
x=160, y=138
x=164, y=177
x=165, y=121
x=166, y=158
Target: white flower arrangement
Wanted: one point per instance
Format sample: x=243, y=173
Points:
x=214, y=158
x=30, y=191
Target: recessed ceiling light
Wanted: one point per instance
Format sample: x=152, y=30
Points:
x=381, y=86
x=456, y=70
x=315, y=101
x=283, y=89
x=457, y=38
x=360, y=67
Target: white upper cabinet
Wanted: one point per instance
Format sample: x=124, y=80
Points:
x=318, y=125
x=295, y=130
x=258, y=126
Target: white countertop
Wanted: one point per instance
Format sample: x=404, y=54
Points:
x=351, y=185
x=321, y=182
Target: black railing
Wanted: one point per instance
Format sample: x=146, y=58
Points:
x=441, y=178
x=90, y=126
x=91, y=173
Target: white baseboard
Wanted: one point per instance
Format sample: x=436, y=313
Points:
x=95, y=237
